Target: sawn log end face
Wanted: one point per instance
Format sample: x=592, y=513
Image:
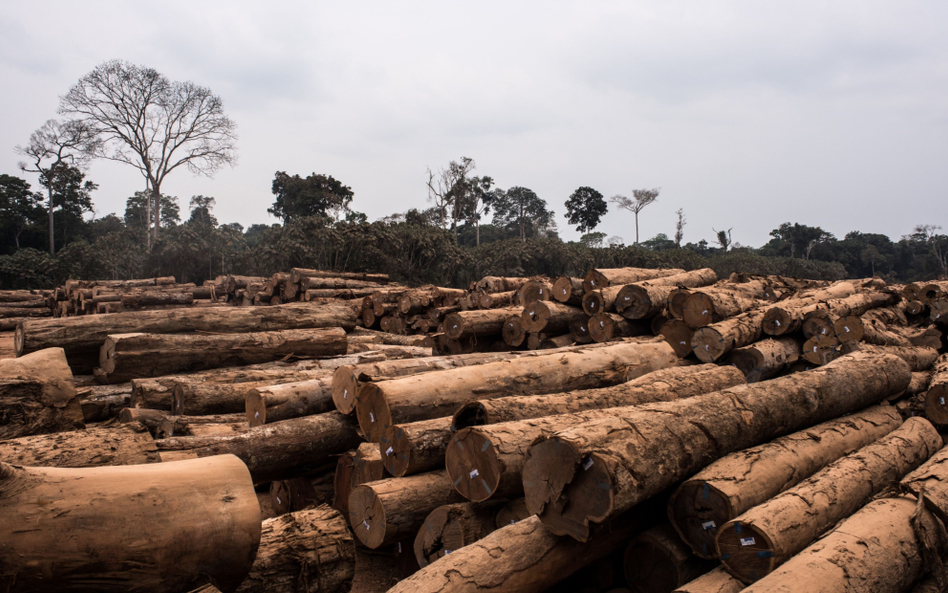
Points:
x=748, y=551
x=367, y=516
x=345, y=389
x=698, y=510
x=373, y=412
x=473, y=465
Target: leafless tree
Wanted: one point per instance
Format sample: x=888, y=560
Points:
x=680, y=227
x=448, y=189
x=937, y=244
x=54, y=145
x=142, y=119
x=640, y=199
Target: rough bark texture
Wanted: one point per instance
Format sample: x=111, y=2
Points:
x=438, y=394
x=788, y=316
x=273, y=403
x=81, y=337
x=679, y=335
x=661, y=385
x=568, y=290
x=627, y=456
x=450, y=527
x=128, y=528
x=355, y=468
x=126, y=444
x=199, y=399
x=393, y=509
x=739, y=481
x=821, y=349
x=766, y=358
x=415, y=447
x=129, y=356
x=477, y=322
x=918, y=359
x=753, y=544
x=712, y=342
x=930, y=483
x=600, y=278
x=548, y=316
x=512, y=332
x=642, y=300
x=603, y=327
x=38, y=395
x=280, y=450
x=936, y=409
x=716, y=581
x=716, y=304
x=310, y=550
x=657, y=561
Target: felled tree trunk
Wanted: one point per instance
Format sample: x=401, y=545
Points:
x=714, y=305
x=936, y=409
x=477, y=322
x=755, y=543
x=559, y=472
x=433, y=395
x=450, y=527
x=199, y=399
x=711, y=342
x=82, y=337
x=766, y=358
x=38, y=395
x=918, y=359
x=603, y=327
x=194, y=535
x=309, y=550
x=600, y=278
x=512, y=332
x=129, y=356
x=644, y=300
x=788, y=316
x=716, y=581
x=548, y=316
x=280, y=450
x=657, y=561
x=415, y=447
x=568, y=290
x=273, y=403
x=124, y=444
x=354, y=468
x=679, y=335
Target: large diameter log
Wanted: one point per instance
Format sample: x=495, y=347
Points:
x=38, y=395
x=200, y=399
x=766, y=358
x=520, y=558
x=568, y=290
x=280, y=450
x=129, y=356
x=603, y=327
x=758, y=541
x=643, y=300
x=704, y=308
x=657, y=561
x=629, y=451
x=82, y=337
x=477, y=322
x=718, y=580
x=712, y=342
x=679, y=335
x=415, y=447
x=354, y=468
x=600, y=278
x=309, y=550
x=936, y=409
x=534, y=291
x=438, y=394
x=148, y=299
x=918, y=359
x=391, y=510
x=661, y=385
x=23, y=312
x=273, y=403
x=450, y=527
x=83, y=522
x=548, y=316
x=512, y=332
x=739, y=481
x=930, y=484
x=789, y=315
x=126, y=444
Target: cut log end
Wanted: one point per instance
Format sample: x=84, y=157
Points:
x=535, y=316
x=454, y=326
x=849, y=329
x=373, y=412
x=633, y=302
x=777, y=321
x=818, y=325
x=395, y=448
x=367, y=517
x=345, y=389
x=473, y=465
x=936, y=410
x=512, y=332
x=678, y=334
x=698, y=510
x=593, y=302
x=709, y=345
x=562, y=289
x=820, y=349
x=471, y=414
x=748, y=552
x=601, y=327
x=255, y=408
x=698, y=310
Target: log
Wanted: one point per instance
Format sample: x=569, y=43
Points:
x=759, y=540
x=628, y=450
x=450, y=527
x=393, y=509
x=644, y=300
x=415, y=447
x=715, y=581
x=297, y=275
x=675, y=303
x=936, y=409
x=548, y=316
x=125, y=444
x=193, y=535
x=438, y=394
x=162, y=425
x=23, y=312
x=280, y=450
x=767, y=358
x=657, y=561
x=512, y=332
x=200, y=399
x=309, y=550
x=19, y=296
x=38, y=395
x=821, y=349
x=661, y=385
x=711, y=342
x=512, y=512
x=101, y=402
x=129, y=356
x=498, y=284
x=354, y=468
x=713, y=305
x=918, y=359
x=603, y=327
x=82, y=337
x=933, y=291
x=679, y=335
x=273, y=403
x=938, y=311
x=477, y=322
x=600, y=278
x=533, y=291
x=789, y=315
x=568, y=290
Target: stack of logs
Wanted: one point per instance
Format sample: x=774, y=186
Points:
x=16, y=305
x=571, y=417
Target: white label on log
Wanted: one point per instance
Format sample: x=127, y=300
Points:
x=474, y=473
x=388, y=451
x=942, y=401
x=372, y=416
x=256, y=415
x=748, y=541
x=846, y=327
x=814, y=350
x=708, y=525
x=707, y=348
x=345, y=394
x=365, y=524
x=602, y=323
x=399, y=547
x=683, y=343
x=588, y=464
x=279, y=501
x=824, y=331
x=777, y=321
x=705, y=312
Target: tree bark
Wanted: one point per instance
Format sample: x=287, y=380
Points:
x=438, y=394
x=82, y=337
x=603, y=327
x=936, y=409
x=130, y=356
x=415, y=447
x=193, y=535
x=548, y=316
x=821, y=349
x=297, y=275
x=767, y=358
x=657, y=561
x=512, y=332
x=660, y=385
x=789, y=315
x=200, y=399
x=755, y=543
x=355, y=468
x=711, y=342
x=918, y=359
x=477, y=322
x=124, y=444
x=568, y=290
x=715, y=581
x=23, y=312
x=309, y=550
x=678, y=335
x=450, y=527
x=393, y=509
x=628, y=451
x=600, y=278
x=273, y=403
x=280, y=450
x=711, y=305
x=38, y=395
x=643, y=300
x=533, y=291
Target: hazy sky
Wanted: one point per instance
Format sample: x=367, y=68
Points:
x=746, y=114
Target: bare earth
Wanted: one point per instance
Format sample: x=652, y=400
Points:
x=6, y=345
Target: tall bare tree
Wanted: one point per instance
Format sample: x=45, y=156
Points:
x=52, y=149
x=723, y=238
x=680, y=227
x=640, y=199
x=449, y=189
x=140, y=118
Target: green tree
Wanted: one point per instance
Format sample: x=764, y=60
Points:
x=70, y=195
x=201, y=211
x=521, y=208
x=137, y=210
x=584, y=208
x=19, y=207
x=316, y=195
x=448, y=189
x=796, y=238
x=640, y=199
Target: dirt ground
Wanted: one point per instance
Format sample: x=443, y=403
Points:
x=6, y=345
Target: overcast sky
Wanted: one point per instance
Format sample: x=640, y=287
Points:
x=745, y=114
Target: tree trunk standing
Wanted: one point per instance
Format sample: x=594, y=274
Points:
x=629, y=451
x=83, y=523
x=38, y=395
x=309, y=550
x=450, y=527
x=715, y=581
x=756, y=542
x=657, y=561
x=125, y=444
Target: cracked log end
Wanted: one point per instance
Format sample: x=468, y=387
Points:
x=473, y=465
x=373, y=412
x=367, y=517
x=709, y=345
x=345, y=389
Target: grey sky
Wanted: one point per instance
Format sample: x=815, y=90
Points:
x=746, y=114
